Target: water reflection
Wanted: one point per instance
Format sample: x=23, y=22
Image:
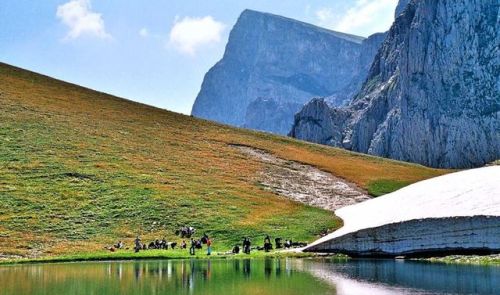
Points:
x=396, y=277
x=249, y=276
x=268, y=267
x=278, y=268
x=246, y=267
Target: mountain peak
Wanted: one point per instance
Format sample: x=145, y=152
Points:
x=252, y=15
x=275, y=62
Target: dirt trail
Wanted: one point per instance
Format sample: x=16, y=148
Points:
x=304, y=183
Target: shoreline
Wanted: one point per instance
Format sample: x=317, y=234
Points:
x=160, y=254
x=493, y=259
x=486, y=260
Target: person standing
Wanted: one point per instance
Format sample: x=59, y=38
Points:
x=267, y=243
x=192, y=249
x=246, y=245
x=137, y=243
x=209, y=246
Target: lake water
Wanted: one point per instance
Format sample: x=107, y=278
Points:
x=249, y=276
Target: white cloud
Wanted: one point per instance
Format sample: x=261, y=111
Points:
x=144, y=32
x=364, y=18
x=78, y=16
x=325, y=15
x=189, y=34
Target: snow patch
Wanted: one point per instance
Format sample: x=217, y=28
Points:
x=463, y=194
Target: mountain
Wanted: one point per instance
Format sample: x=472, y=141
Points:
x=277, y=117
x=368, y=50
x=400, y=7
x=81, y=169
x=279, y=62
x=270, y=115
x=432, y=94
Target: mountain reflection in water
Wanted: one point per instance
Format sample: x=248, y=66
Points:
x=399, y=277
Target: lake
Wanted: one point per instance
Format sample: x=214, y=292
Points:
x=249, y=276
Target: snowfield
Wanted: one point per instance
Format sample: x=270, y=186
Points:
x=442, y=200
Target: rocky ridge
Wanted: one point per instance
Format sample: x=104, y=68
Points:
x=279, y=62
x=432, y=94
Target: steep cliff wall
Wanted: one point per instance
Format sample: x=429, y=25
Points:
x=401, y=7
x=432, y=95
x=271, y=115
x=369, y=49
x=272, y=58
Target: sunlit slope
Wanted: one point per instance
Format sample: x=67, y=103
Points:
x=79, y=169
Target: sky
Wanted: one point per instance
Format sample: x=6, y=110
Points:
x=156, y=51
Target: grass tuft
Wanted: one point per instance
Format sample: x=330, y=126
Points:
x=381, y=187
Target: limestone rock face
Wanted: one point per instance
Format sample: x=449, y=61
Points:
x=455, y=213
x=278, y=117
x=433, y=92
x=369, y=49
x=401, y=6
x=272, y=58
x=319, y=123
x=270, y=115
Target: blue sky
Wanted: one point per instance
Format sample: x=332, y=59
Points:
x=154, y=51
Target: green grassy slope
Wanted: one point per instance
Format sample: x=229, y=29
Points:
x=80, y=169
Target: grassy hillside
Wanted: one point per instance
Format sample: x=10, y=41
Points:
x=80, y=169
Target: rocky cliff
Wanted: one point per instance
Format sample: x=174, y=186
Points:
x=432, y=94
x=271, y=115
x=278, y=64
x=369, y=49
x=401, y=7
x=278, y=117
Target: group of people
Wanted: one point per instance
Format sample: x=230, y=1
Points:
x=268, y=246
x=185, y=232
x=163, y=244
x=197, y=244
x=156, y=244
